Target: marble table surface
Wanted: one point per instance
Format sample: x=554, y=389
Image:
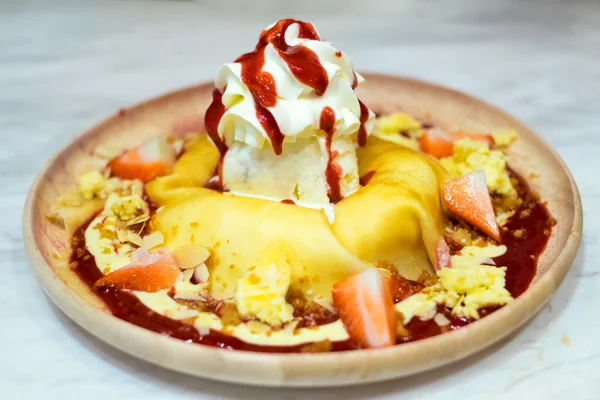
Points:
x=65, y=65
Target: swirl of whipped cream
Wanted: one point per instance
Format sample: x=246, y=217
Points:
x=278, y=92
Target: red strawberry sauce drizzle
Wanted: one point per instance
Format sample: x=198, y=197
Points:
x=362, y=130
x=304, y=64
x=333, y=172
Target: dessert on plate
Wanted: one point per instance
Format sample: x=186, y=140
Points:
x=298, y=220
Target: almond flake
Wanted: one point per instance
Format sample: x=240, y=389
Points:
x=258, y=327
x=153, y=240
x=201, y=273
x=190, y=256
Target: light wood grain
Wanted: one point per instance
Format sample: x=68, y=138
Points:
x=182, y=110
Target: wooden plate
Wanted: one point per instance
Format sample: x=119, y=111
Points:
x=182, y=111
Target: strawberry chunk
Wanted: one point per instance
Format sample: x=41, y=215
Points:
x=468, y=199
x=155, y=271
x=154, y=158
x=441, y=144
x=365, y=305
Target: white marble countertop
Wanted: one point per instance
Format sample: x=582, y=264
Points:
x=65, y=65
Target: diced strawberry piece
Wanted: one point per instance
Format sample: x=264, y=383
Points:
x=468, y=198
x=154, y=158
x=441, y=144
x=154, y=272
x=442, y=252
x=436, y=144
x=365, y=305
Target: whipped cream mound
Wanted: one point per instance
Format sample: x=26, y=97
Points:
x=287, y=119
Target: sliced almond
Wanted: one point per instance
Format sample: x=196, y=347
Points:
x=106, y=152
x=191, y=256
x=203, y=330
x=177, y=144
x=124, y=236
x=488, y=261
x=201, y=273
x=153, y=240
x=441, y=320
x=137, y=220
x=186, y=275
x=189, y=296
x=291, y=326
x=137, y=188
x=326, y=304
x=258, y=327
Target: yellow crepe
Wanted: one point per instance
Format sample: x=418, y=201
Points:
x=397, y=216
x=196, y=166
x=238, y=231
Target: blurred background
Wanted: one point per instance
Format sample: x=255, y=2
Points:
x=67, y=64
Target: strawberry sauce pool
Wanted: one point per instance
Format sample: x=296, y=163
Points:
x=531, y=219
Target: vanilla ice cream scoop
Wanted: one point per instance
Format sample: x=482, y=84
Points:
x=287, y=120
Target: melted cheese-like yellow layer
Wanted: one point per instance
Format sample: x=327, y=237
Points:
x=195, y=166
x=397, y=217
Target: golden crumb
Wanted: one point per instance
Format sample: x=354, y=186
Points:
x=106, y=233
x=229, y=314
x=426, y=279
x=566, y=341
x=524, y=214
x=400, y=328
x=518, y=233
x=547, y=232
x=317, y=347
x=386, y=265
